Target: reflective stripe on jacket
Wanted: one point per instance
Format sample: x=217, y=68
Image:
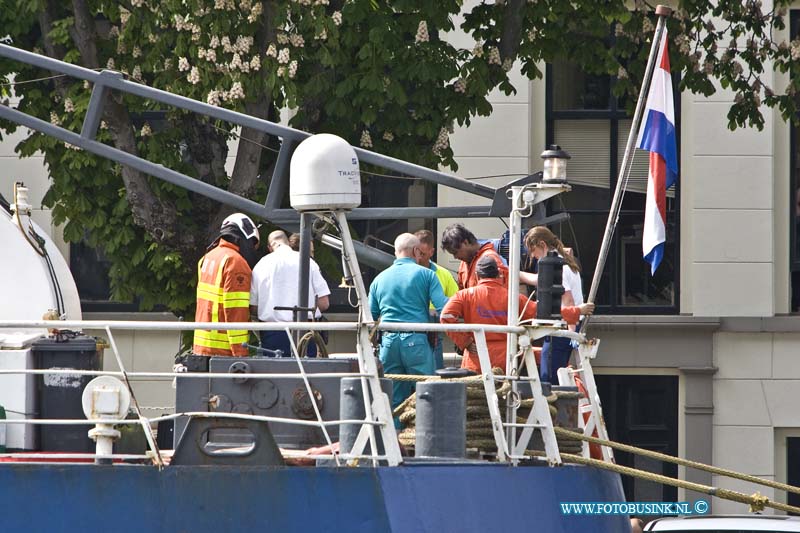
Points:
x=223, y=295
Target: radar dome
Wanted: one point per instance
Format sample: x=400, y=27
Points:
x=324, y=175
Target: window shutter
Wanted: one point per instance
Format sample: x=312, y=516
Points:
x=587, y=141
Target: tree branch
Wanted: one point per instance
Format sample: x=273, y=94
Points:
x=159, y=218
x=56, y=51
x=249, y=152
x=512, y=29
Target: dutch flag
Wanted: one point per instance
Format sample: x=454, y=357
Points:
x=657, y=135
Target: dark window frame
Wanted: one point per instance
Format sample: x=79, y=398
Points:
x=794, y=256
x=614, y=114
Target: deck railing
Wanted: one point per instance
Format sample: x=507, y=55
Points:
x=380, y=419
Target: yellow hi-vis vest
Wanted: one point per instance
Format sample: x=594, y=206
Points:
x=223, y=295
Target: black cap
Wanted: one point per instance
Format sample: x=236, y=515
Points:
x=487, y=267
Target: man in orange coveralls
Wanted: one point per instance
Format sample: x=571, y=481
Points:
x=487, y=303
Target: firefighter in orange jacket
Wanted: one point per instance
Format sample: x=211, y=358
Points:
x=223, y=287
x=487, y=303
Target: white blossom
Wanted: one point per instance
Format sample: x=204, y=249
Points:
x=110, y=65
x=211, y=55
x=214, y=41
x=194, y=76
x=283, y=56
x=243, y=44
x=213, y=98
x=236, y=92
x=494, y=56
x=442, y=142
x=292, y=68
x=137, y=73
x=460, y=85
x=137, y=52
x=54, y=119
x=271, y=50
x=508, y=63
x=337, y=18
x=422, y=32
x=226, y=44
x=477, y=51
x=137, y=3
x=366, y=139
x=388, y=136
x=103, y=125
x=283, y=38
x=255, y=63
x=236, y=62
x=151, y=38
x=255, y=12
x=297, y=40
x=146, y=131
x=322, y=35
x=795, y=50
x=281, y=71
x=183, y=64
x=69, y=107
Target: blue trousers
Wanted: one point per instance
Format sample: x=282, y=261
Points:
x=555, y=355
x=405, y=353
x=279, y=340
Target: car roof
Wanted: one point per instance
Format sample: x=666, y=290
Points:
x=741, y=523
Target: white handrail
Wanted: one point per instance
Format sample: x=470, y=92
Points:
x=538, y=329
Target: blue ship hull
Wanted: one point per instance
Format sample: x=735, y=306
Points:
x=218, y=499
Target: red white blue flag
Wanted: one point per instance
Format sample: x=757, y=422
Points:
x=657, y=135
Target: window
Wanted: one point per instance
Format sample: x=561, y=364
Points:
x=592, y=125
x=90, y=268
x=794, y=197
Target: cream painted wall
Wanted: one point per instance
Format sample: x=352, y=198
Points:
x=755, y=392
x=728, y=235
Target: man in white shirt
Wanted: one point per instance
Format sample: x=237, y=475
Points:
x=275, y=282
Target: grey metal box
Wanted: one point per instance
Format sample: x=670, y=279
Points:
x=286, y=398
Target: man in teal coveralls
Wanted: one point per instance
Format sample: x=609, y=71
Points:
x=402, y=293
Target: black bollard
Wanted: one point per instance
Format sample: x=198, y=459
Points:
x=351, y=407
x=567, y=408
x=441, y=427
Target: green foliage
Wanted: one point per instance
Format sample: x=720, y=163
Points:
x=383, y=75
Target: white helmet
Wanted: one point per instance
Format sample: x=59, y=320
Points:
x=244, y=223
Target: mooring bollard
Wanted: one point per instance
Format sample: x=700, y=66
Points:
x=351, y=407
x=441, y=426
